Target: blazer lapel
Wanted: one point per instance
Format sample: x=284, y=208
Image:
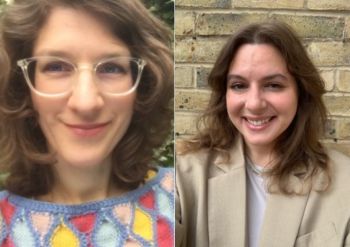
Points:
x=282, y=219
x=227, y=201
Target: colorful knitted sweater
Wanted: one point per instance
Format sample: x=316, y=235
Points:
x=142, y=217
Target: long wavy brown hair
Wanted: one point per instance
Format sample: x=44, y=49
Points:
x=24, y=149
x=298, y=148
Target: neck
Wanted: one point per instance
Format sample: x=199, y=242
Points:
x=77, y=185
x=260, y=155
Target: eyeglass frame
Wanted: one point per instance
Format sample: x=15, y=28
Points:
x=23, y=64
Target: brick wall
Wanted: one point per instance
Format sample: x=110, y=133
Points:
x=202, y=27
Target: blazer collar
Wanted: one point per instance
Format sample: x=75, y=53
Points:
x=282, y=219
x=227, y=206
x=227, y=200
x=236, y=159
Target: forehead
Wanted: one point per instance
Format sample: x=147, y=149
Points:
x=254, y=57
x=77, y=31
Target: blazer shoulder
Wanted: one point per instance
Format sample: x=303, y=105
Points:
x=193, y=158
x=340, y=167
x=339, y=161
x=338, y=157
x=193, y=163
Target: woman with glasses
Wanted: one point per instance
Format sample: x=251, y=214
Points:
x=257, y=173
x=85, y=93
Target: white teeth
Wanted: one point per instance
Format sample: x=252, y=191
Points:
x=258, y=122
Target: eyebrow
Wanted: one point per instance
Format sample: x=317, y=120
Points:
x=55, y=53
x=265, y=78
x=64, y=54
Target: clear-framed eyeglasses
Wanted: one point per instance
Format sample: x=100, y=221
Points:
x=52, y=76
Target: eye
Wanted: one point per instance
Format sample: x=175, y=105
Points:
x=55, y=67
x=237, y=86
x=111, y=68
x=274, y=86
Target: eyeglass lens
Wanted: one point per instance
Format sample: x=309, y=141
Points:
x=53, y=75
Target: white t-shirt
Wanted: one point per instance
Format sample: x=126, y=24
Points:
x=256, y=201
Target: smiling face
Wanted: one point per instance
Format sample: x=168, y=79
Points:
x=82, y=128
x=261, y=96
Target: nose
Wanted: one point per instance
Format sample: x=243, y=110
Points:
x=255, y=101
x=85, y=98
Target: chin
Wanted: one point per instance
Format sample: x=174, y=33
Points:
x=83, y=160
x=82, y=155
x=259, y=142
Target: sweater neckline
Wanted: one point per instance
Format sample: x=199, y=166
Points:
x=49, y=207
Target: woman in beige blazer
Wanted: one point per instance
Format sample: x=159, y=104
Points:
x=256, y=173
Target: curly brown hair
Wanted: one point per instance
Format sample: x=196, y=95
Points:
x=24, y=149
x=299, y=146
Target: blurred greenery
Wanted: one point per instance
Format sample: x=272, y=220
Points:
x=2, y=3
x=164, y=9
x=165, y=154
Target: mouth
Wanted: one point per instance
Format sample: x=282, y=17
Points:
x=258, y=124
x=86, y=130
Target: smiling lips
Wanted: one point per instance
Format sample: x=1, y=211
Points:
x=86, y=130
x=258, y=124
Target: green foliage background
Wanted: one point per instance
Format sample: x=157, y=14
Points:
x=164, y=9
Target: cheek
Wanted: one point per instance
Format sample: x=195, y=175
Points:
x=233, y=104
x=47, y=107
x=288, y=105
x=122, y=105
x=47, y=111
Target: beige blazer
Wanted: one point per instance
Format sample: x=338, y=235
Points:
x=211, y=206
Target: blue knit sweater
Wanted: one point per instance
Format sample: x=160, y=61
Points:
x=142, y=217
